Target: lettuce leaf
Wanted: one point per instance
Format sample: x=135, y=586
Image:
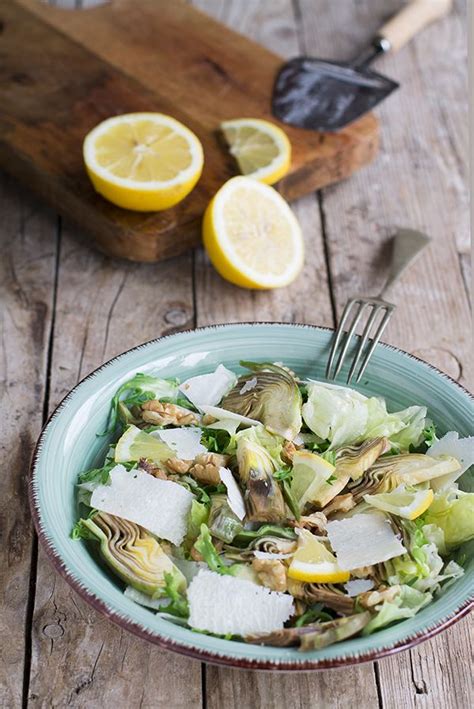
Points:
x=344, y=417
x=405, y=605
x=453, y=512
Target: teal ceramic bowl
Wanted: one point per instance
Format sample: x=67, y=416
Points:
x=69, y=444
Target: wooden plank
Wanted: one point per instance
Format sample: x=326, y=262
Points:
x=27, y=272
x=307, y=300
x=405, y=186
x=69, y=80
x=417, y=181
x=79, y=658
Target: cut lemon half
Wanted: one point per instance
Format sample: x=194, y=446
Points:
x=409, y=504
x=251, y=235
x=314, y=563
x=310, y=473
x=260, y=148
x=135, y=444
x=143, y=161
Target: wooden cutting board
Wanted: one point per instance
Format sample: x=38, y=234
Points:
x=63, y=71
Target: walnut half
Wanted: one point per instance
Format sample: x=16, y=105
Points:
x=160, y=414
x=271, y=573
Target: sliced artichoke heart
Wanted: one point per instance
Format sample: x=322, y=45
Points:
x=273, y=398
x=263, y=498
x=133, y=554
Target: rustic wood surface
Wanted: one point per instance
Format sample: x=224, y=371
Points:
x=66, y=309
x=74, y=73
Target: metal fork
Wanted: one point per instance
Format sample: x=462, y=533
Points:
x=407, y=245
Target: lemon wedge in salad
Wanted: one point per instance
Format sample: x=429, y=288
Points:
x=409, y=504
x=314, y=563
x=251, y=235
x=143, y=161
x=260, y=148
x=135, y=444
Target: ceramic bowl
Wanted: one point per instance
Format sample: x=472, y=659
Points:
x=69, y=444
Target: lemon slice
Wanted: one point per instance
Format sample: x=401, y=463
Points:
x=409, y=504
x=251, y=235
x=261, y=149
x=310, y=472
x=143, y=161
x=135, y=444
x=314, y=563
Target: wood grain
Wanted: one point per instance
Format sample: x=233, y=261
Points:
x=102, y=307
x=307, y=300
x=74, y=73
x=27, y=272
x=406, y=186
x=79, y=658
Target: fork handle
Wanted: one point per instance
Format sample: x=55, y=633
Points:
x=410, y=20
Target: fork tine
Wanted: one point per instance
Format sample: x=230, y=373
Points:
x=337, y=338
x=383, y=324
x=368, y=326
x=348, y=338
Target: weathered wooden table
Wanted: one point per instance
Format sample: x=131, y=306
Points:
x=67, y=309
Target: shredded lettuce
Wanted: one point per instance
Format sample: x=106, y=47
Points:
x=344, y=416
x=208, y=551
x=272, y=443
x=453, y=512
x=198, y=515
x=405, y=605
x=178, y=604
x=137, y=390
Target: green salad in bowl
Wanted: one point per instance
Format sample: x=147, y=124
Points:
x=247, y=503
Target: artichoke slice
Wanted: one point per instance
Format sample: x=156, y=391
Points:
x=262, y=495
x=334, y=631
x=133, y=554
x=223, y=522
x=410, y=469
x=355, y=460
x=269, y=394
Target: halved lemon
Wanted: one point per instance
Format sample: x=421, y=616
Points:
x=135, y=444
x=251, y=235
x=409, y=504
x=262, y=150
x=314, y=563
x=143, y=161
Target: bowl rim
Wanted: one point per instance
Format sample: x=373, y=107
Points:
x=176, y=646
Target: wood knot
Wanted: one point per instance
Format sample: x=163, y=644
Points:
x=441, y=358
x=177, y=316
x=53, y=630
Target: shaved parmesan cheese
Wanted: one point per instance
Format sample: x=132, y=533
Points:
x=234, y=495
x=208, y=389
x=363, y=540
x=218, y=413
x=143, y=600
x=224, y=604
x=185, y=442
x=268, y=555
x=460, y=448
x=160, y=506
x=249, y=385
x=357, y=586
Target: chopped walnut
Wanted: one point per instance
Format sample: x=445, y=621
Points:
x=205, y=467
x=341, y=503
x=315, y=522
x=176, y=465
x=288, y=451
x=160, y=414
x=271, y=573
x=370, y=599
x=363, y=572
x=207, y=419
x=152, y=469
